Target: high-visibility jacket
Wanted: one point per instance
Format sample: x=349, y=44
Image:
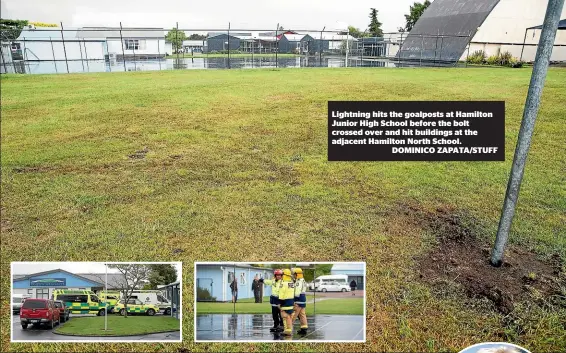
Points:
x=274, y=298
x=287, y=295
x=301, y=292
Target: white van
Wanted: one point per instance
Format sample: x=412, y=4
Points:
x=154, y=297
x=17, y=300
x=341, y=279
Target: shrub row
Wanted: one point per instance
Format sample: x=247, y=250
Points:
x=502, y=59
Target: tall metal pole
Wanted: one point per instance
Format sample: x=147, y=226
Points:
x=53, y=52
x=321, y=45
x=234, y=280
x=122, y=41
x=81, y=51
x=532, y=105
x=277, y=46
x=177, y=43
x=3, y=60
x=524, y=41
x=347, y=45
x=229, y=68
x=86, y=56
x=64, y=49
x=422, y=47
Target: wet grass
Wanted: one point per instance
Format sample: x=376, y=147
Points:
x=231, y=166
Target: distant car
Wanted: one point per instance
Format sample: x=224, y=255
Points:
x=333, y=287
x=63, y=310
x=39, y=311
x=17, y=300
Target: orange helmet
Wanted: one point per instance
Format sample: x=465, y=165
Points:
x=278, y=272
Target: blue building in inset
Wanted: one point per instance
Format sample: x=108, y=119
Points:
x=213, y=281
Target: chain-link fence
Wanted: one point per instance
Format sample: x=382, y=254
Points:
x=107, y=49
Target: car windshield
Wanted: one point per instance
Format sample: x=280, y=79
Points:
x=58, y=305
x=34, y=304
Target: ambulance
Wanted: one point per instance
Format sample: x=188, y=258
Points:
x=81, y=301
x=135, y=306
x=111, y=298
x=154, y=297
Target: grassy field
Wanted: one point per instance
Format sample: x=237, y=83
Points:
x=349, y=306
x=118, y=326
x=232, y=166
x=263, y=55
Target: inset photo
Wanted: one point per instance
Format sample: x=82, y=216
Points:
x=495, y=347
x=267, y=302
x=96, y=301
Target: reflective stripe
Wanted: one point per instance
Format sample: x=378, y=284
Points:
x=300, y=302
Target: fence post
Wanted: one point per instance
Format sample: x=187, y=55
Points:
x=422, y=47
x=176, y=43
x=159, y=53
x=441, y=46
x=524, y=41
x=53, y=52
x=122, y=41
x=277, y=47
x=229, y=47
x=64, y=48
x=81, y=51
x=86, y=56
x=530, y=113
x=469, y=45
x=321, y=46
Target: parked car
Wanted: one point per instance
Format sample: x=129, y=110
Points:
x=333, y=287
x=63, y=310
x=39, y=311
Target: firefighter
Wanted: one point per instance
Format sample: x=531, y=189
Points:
x=287, y=301
x=274, y=300
x=300, y=300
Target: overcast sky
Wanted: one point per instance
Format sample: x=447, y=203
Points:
x=73, y=267
x=243, y=14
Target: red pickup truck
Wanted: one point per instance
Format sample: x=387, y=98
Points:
x=39, y=311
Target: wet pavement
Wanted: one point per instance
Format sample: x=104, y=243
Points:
x=44, y=333
x=255, y=327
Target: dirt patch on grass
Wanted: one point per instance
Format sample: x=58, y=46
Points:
x=461, y=256
x=139, y=154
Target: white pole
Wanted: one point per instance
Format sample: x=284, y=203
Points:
x=106, y=300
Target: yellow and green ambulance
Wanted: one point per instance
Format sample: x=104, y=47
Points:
x=111, y=298
x=81, y=301
x=135, y=306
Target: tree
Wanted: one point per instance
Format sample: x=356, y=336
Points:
x=11, y=29
x=161, y=274
x=415, y=12
x=375, y=26
x=195, y=36
x=176, y=38
x=356, y=33
x=134, y=276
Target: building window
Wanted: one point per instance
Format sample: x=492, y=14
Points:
x=132, y=44
x=42, y=293
x=30, y=291
x=82, y=288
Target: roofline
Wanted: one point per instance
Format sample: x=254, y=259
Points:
x=53, y=271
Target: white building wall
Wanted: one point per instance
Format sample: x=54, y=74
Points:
x=504, y=30
x=46, y=50
x=149, y=47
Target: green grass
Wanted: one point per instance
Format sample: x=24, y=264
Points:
x=240, y=55
x=236, y=169
x=118, y=326
x=330, y=306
